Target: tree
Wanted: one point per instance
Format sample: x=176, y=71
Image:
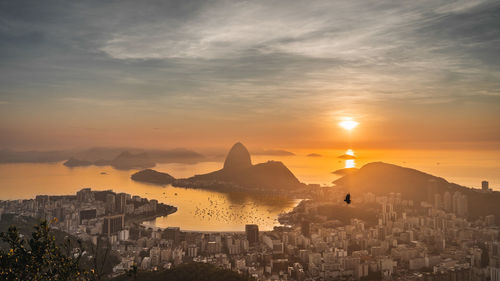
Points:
x=39, y=258
x=185, y=272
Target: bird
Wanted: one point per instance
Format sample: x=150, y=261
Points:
x=348, y=198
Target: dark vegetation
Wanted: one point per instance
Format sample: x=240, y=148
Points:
x=186, y=272
x=49, y=254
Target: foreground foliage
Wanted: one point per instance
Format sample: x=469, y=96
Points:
x=39, y=258
x=187, y=272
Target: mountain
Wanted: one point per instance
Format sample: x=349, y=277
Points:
x=100, y=155
x=381, y=178
x=237, y=158
x=14, y=156
x=152, y=176
x=124, y=161
x=73, y=162
x=127, y=160
x=176, y=155
x=238, y=170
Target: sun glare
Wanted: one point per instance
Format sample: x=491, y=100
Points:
x=348, y=124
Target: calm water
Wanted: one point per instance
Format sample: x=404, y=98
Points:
x=197, y=209
x=213, y=211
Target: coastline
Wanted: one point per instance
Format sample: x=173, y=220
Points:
x=162, y=211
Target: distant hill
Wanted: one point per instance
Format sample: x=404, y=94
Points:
x=100, y=155
x=124, y=161
x=127, y=160
x=73, y=162
x=188, y=272
x=176, y=155
x=31, y=156
x=381, y=178
x=152, y=176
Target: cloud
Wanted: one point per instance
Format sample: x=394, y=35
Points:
x=273, y=152
x=247, y=61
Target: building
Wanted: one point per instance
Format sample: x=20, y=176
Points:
x=437, y=201
x=485, y=185
x=252, y=232
x=85, y=195
x=173, y=233
x=120, y=202
x=494, y=274
x=113, y=224
x=459, y=204
x=88, y=214
x=110, y=203
x=305, y=228
x=447, y=201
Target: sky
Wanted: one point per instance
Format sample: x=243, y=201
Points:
x=274, y=74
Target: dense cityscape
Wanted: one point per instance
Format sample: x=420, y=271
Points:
x=237, y=140
x=428, y=240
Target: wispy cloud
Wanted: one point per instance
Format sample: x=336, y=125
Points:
x=240, y=60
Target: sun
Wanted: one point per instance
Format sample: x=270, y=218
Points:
x=348, y=124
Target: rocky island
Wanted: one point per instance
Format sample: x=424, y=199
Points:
x=152, y=176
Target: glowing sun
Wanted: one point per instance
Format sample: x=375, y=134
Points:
x=348, y=124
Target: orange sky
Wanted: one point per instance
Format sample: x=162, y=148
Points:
x=421, y=74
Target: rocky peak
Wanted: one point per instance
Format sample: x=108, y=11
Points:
x=238, y=157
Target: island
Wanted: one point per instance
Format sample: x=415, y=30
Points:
x=152, y=176
x=238, y=173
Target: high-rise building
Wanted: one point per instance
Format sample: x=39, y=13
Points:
x=431, y=190
x=173, y=233
x=110, y=203
x=85, y=195
x=459, y=204
x=485, y=186
x=305, y=228
x=252, y=232
x=120, y=202
x=113, y=224
x=447, y=201
x=154, y=204
x=437, y=201
x=494, y=274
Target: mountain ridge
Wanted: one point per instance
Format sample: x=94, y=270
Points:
x=382, y=178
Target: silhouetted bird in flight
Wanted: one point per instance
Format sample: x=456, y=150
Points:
x=348, y=198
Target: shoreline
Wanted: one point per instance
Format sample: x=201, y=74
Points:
x=139, y=219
